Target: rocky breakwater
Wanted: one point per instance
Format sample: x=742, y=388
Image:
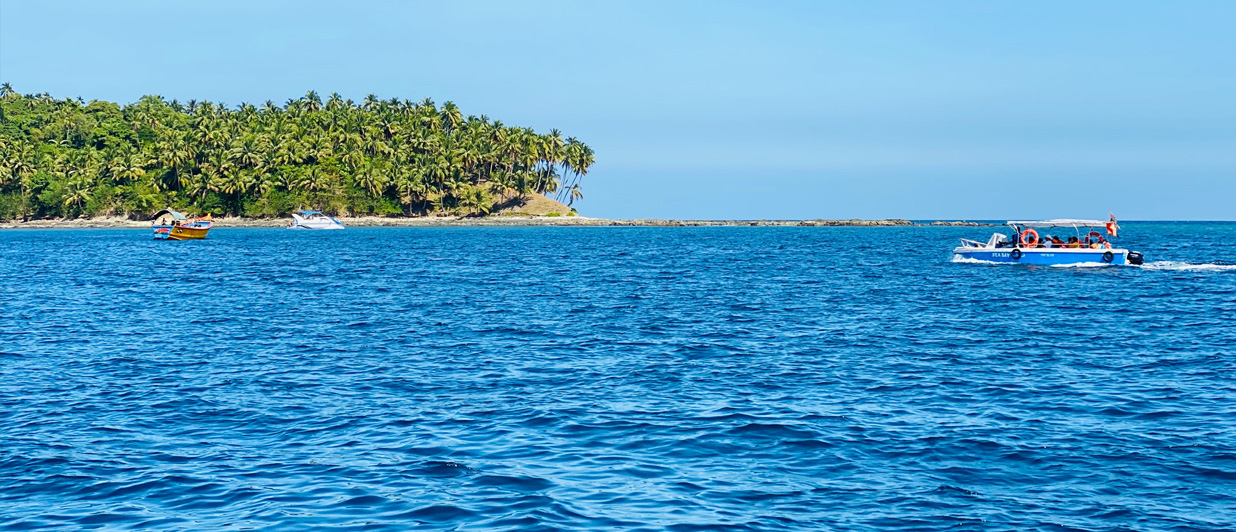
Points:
x=647, y=222
x=961, y=224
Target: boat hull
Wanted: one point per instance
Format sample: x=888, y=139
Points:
x=316, y=221
x=162, y=232
x=1045, y=256
x=316, y=226
x=187, y=233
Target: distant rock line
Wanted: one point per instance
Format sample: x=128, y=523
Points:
x=486, y=221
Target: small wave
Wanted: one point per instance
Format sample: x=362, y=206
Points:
x=517, y=482
x=1172, y=265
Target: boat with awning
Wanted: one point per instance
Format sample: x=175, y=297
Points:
x=1051, y=242
x=168, y=224
x=313, y=220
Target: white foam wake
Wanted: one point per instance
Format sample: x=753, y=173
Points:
x=968, y=260
x=1172, y=265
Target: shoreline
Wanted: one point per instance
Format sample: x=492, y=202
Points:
x=486, y=221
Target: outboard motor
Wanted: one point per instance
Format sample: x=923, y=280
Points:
x=1135, y=257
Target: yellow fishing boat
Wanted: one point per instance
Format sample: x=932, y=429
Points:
x=171, y=225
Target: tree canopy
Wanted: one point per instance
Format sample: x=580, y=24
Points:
x=67, y=157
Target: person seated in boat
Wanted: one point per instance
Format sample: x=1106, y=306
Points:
x=1046, y=243
x=1056, y=242
x=1073, y=242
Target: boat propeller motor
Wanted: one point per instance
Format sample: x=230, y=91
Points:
x=1135, y=257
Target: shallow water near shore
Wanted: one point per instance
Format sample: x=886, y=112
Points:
x=533, y=378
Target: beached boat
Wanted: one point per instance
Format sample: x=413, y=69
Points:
x=313, y=220
x=1062, y=242
x=171, y=225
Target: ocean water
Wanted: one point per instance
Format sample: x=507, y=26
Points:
x=678, y=379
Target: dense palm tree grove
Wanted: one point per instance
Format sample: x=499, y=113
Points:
x=66, y=157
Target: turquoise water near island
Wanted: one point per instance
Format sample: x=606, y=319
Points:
x=721, y=378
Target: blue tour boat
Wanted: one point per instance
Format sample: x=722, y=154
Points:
x=1062, y=242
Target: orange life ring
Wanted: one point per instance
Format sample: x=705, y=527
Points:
x=1033, y=243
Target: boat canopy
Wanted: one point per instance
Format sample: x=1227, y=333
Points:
x=1059, y=223
x=175, y=215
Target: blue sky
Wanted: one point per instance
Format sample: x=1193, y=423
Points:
x=719, y=109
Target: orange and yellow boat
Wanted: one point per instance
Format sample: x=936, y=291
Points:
x=171, y=225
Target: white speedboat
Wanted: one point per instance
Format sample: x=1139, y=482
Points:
x=313, y=220
x=1086, y=245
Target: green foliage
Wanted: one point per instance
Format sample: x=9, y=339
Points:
x=62, y=158
x=10, y=206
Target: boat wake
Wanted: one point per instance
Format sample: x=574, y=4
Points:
x=1172, y=265
x=968, y=260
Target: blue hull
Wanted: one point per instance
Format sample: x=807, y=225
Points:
x=1045, y=257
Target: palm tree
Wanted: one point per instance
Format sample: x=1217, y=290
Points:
x=372, y=180
x=579, y=158
x=78, y=191
x=312, y=102
x=451, y=116
x=236, y=185
x=128, y=168
x=335, y=102
x=247, y=152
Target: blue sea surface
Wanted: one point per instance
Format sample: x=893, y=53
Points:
x=716, y=378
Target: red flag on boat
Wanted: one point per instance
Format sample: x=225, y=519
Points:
x=1111, y=226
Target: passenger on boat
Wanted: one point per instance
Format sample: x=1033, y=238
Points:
x=1056, y=242
x=1073, y=242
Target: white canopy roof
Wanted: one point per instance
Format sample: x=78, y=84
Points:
x=174, y=214
x=1061, y=223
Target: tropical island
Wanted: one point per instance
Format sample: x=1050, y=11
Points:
x=71, y=163
x=68, y=158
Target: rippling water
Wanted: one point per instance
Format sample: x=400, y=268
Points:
x=605, y=378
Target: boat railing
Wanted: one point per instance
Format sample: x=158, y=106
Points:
x=967, y=243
